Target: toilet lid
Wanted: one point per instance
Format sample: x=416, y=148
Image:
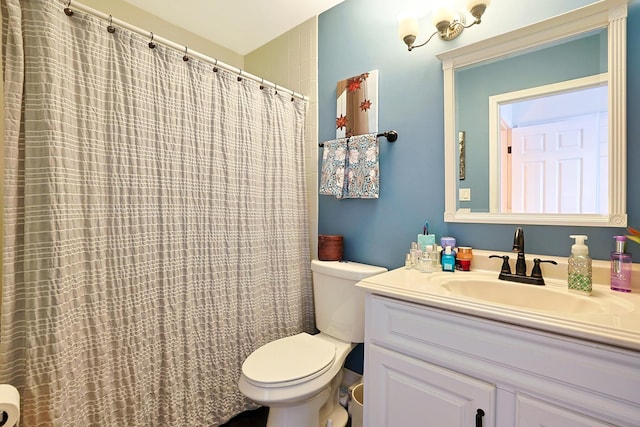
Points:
x=289, y=361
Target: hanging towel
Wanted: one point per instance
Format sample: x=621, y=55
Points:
x=332, y=178
x=362, y=180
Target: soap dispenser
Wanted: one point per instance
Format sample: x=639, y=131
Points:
x=580, y=280
x=621, y=266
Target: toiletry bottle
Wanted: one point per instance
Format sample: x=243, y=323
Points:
x=425, y=262
x=579, y=278
x=434, y=257
x=429, y=260
x=448, y=260
x=447, y=241
x=414, y=254
x=463, y=258
x=621, y=266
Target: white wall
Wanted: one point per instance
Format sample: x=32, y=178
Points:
x=141, y=19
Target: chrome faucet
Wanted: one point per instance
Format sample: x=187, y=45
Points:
x=520, y=275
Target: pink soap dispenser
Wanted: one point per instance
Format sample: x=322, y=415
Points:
x=621, y=266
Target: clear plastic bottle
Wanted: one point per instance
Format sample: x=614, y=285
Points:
x=580, y=276
x=425, y=263
x=429, y=260
x=414, y=255
x=621, y=266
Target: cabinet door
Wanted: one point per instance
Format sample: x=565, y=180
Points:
x=403, y=391
x=532, y=412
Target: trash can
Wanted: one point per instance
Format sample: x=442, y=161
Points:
x=357, y=405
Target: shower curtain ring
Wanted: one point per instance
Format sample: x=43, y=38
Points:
x=215, y=66
x=275, y=86
x=152, y=45
x=67, y=10
x=110, y=27
x=261, y=84
x=185, y=58
x=240, y=76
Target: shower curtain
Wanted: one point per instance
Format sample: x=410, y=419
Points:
x=155, y=225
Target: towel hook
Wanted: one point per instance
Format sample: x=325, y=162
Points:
x=67, y=10
x=152, y=45
x=185, y=58
x=215, y=66
x=110, y=28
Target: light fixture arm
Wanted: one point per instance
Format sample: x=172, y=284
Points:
x=451, y=32
x=409, y=40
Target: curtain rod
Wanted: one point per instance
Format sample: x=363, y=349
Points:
x=160, y=40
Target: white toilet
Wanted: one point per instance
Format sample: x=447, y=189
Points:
x=298, y=377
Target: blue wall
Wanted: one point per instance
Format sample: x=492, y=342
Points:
x=361, y=35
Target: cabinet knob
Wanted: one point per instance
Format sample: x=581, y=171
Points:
x=479, y=415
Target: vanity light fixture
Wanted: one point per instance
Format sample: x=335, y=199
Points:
x=449, y=23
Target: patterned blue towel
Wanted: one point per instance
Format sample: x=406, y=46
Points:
x=350, y=168
x=363, y=170
x=334, y=158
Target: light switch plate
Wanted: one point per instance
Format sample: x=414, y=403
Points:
x=464, y=194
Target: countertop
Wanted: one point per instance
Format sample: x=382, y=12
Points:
x=619, y=327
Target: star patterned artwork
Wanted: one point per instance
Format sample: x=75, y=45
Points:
x=341, y=122
x=357, y=105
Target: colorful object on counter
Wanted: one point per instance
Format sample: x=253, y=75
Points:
x=425, y=240
x=448, y=259
x=579, y=267
x=620, y=266
x=448, y=241
x=463, y=258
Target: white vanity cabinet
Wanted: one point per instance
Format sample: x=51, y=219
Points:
x=427, y=366
x=410, y=392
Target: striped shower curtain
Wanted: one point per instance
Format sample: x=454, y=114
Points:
x=155, y=229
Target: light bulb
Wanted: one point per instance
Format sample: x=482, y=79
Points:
x=442, y=16
x=477, y=7
x=407, y=25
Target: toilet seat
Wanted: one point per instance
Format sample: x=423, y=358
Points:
x=289, y=361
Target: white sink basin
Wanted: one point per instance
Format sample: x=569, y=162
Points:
x=549, y=298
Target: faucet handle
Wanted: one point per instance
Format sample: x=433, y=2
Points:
x=536, y=271
x=506, y=268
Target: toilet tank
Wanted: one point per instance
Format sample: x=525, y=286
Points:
x=339, y=303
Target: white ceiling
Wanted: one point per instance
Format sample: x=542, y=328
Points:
x=241, y=25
